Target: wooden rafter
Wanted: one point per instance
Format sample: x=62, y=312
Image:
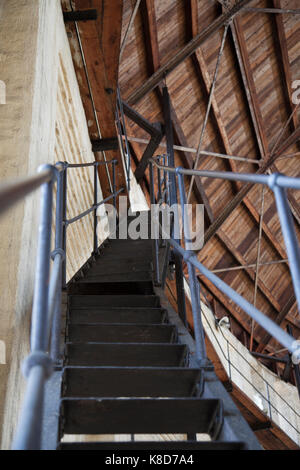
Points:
x=238, y=198
x=248, y=83
x=240, y=49
x=204, y=79
x=283, y=57
x=227, y=304
x=184, y=53
x=100, y=41
x=153, y=64
x=254, y=108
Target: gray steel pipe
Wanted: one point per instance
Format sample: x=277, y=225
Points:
x=29, y=432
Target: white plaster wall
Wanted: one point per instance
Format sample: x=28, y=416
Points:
x=42, y=100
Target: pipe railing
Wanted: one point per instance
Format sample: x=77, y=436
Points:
x=46, y=311
x=278, y=183
x=122, y=138
x=67, y=222
x=224, y=352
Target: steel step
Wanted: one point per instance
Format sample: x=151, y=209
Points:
x=122, y=265
x=121, y=333
x=94, y=382
x=154, y=445
x=129, y=243
x=111, y=287
x=101, y=301
x=139, y=416
x=129, y=276
x=128, y=354
x=128, y=315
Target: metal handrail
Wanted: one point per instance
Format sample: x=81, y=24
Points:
x=277, y=183
x=92, y=208
x=238, y=370
x=254, y=370
x=12, y=192
x=46, y=311
x=122, y=138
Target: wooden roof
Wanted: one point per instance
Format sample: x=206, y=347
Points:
x=248, y=119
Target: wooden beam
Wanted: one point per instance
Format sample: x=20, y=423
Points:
x=226, y=302
x=184, y=53
x=102, y=145
x=284, y=62
x=150, y=34
x=250, y=272
x=81, y=15
x=250, y=90
x=100, y=41
x=205, y=81
x=278, y=320
x=286, y=11
x=238, y=198
x=142, y=122
x=81, y=75
x=153, y=63
x=248, y=82
x=188, y=163
x=148, y=153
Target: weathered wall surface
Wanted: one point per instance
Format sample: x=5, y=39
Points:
x=38, y=124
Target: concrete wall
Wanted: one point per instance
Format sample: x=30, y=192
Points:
x=38, y=124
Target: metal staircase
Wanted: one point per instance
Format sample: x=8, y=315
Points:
x=130, y=364
x=126, y=367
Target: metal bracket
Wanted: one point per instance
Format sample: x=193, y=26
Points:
x=100, y=145
x=81, y=15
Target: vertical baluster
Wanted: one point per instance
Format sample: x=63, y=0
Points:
x=64, y=241
x=56, y=323
x=114, y=183
x=193, y=282
x=288, y=232
x=155, y=249
x=95, y=211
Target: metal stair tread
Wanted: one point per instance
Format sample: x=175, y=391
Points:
x=152, y=445
x=119, y=332
x=132, y=300
x=128, y=316
x=126, y=354
x=98, y=381
x=138, y=415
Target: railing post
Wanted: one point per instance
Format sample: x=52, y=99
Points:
x=296, y=367
x=193, y=282
x=127, y=150
x=155, y=246
x=38, y=366
x=40, y=302
x=56, y=323
x=64, y=236
x=268, y=399
x=288, y=232
x=114, y=183
x=95, y=211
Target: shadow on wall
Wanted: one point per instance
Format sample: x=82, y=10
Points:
x=2, y=352
x=2, y=92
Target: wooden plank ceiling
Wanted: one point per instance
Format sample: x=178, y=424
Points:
x=250, y=109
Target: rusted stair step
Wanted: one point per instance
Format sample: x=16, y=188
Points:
x=126, y=354
x=140, y=416
x=121, y=333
